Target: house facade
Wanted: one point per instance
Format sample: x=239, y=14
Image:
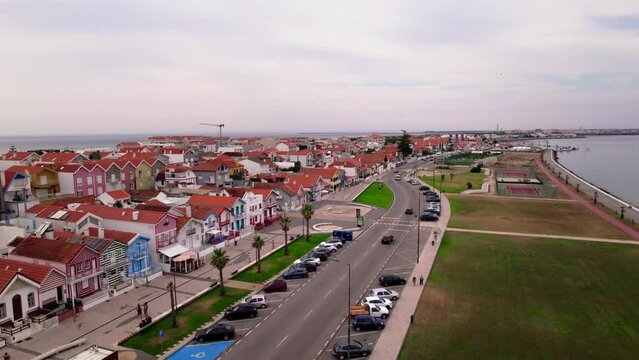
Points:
x=213, y=173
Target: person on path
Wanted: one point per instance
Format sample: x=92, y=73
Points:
x=146, y=308
x=249, y=256
x=421, y=279
x=139, y=310
x=414, y=280
x=273, y=244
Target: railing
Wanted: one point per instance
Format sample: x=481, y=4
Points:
x=190, y=231
x=19, y=327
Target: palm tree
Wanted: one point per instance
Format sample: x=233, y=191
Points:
x=307, y=213
x=285, y=224
x=219, y=261
x=257, y=244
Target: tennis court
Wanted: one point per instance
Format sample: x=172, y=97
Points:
x=525, y=190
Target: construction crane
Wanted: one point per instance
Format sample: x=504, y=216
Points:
x=220, y=126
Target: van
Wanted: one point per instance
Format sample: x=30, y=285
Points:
x=345, y=235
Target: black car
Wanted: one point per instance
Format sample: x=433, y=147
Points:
x=241, y=311
x=424, y=187
x=388, y=239
x=295, y=273
x=429, y=217
x=367, y=322
x=320, y=255
x=390, y=280
x=433, y=199
x=310, y=267
x=429, y=192
x=433, y=210
x=409, y=211
x=342, y=349
x=215, y=332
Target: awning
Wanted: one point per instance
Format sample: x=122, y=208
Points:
x=213, y=231
x=173, y=250
x=188, y=255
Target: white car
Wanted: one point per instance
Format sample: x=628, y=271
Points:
x=384, y=293
x=328, y=247
x=374, y=300
x=336, y=242
x=257, y=300
x=307, y=259
x=378, y=311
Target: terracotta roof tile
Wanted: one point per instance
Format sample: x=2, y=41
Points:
x=46, y=249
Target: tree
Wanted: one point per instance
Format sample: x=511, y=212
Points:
x=285, y=224
x=118, y=204
x=95, y=155
x=257, y=244
x=219, y=261
x=297, y=166
x=403, y=144
x=307, y=214
x=451, y=177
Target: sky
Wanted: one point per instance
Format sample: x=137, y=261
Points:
x=91, y=67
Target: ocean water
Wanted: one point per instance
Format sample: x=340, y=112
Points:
x=610, y=162
x=69, y=142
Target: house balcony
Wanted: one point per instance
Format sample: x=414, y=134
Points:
x=47, y=185
x=12, y=328
x=224, y=223
x=75, y=278
x=191, y=231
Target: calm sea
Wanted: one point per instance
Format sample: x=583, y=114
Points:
x=71, y=142
x=610, y=162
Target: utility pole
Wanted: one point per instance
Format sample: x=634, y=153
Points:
x=419, y=225
x=169, y=287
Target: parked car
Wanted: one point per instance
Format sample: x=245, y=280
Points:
x=257, y=300
x=320, y=255
x=429, y=217
x=398, y=177
x=337, y=242
x=433, y=199
x=390, y=280
x=323, y=250
x=414, y=182
x=388, y=239
x=369, y=309
x=384, y=293
x=367, y=322
x=374, y=300
x=309, y=260
x=275, y=285
x=305, y=265
x=408, y=211
x=241, y=311
x=295, y=273
x=424, y=187
x=342, y=349
x=328, y=247
x=396, y=171
x=345, y=235
x=430, y=192
x=215, y=332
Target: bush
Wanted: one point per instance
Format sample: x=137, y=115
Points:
x=469, y=185
x=475, y=169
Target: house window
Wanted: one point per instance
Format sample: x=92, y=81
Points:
x=85, y=283
x=99, y=179
x=79, y=267
x=78, y=181
x=31, y=300
x=3, y=311
x=87, y=265
x=90, y=191
x=89, y=181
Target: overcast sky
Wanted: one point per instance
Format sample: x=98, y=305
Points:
x=87, y=67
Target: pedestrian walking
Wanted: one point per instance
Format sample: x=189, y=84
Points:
x=421, y=279
x=146, y=308
x=139, y=310
x=249, y=255
x=414, y=280
x=273, y=244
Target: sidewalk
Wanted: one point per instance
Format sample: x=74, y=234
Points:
x=390, y=342
x=106, y=324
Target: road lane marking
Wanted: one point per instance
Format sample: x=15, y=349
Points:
x=329, y=291
x=285, y=337
x=371, y=332
x=309, y=313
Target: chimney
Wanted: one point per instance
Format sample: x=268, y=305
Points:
x=136, y=215
x=101, y=232
x=19, y=269
x=188, y=210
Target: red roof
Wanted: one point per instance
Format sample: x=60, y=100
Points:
x=27, y=169
x=215, y=201
x=326, y=173
x=307, y=181
x=9, y=268
x=16, y=155
x=47, y=249
x=105, y=212
x=211, y=165
x=119, y=194
x=87, y=199
x=62, y=157
x=38, y=208
x=70, y=216
x=120, y=236
x=68, y=168
x=300, y=152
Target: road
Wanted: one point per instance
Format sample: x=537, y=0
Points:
x=303, y=322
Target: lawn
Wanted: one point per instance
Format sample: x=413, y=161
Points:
x=491, y=297
x=529, y=216
x=458, y=182
x=277, y=261
x=376, y=196
x=466, y=159
x=189, y=318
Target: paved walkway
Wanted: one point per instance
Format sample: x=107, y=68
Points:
x=392, y=338
x=547, y=236
x=590, y=206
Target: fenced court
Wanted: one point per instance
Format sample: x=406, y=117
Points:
x=522, y=183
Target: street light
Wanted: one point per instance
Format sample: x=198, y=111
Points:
x=348, y=309
x=419, y=225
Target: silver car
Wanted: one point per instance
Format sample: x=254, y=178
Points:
x=384, y=293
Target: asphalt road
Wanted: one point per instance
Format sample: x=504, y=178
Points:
x=303, y=322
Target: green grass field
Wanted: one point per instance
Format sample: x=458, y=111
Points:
x=529, y=216
x=277, y=261
x=491, y=297
x=189, y=318
x=457, y=184
x=376, y=196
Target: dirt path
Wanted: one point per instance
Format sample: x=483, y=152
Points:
x=567, y=190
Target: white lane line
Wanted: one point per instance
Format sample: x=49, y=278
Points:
x=258, y=325
x=309, y=313
x=329, y=291
x=285, y=337
x=248, y=333
x=358, y=334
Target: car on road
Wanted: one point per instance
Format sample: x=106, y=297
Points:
x=391, y=280
x=408, y=211
x=257, y=300
x=414, y=182
x=398, y=177
x=241, y=311
x=384, y=293
x=328, y=247
x=323, y=256
x=215, y=332
x=342, y=349
x=433, y=199
x=367, y=322
x=295, y=273
x=308, y=266
x=275, y=286
x=374, y=300
x=424, y=188
x=396, y=171
x=309, y=260
x=388, y=239
x=429, y=217
x=337, y=242
x=430, y=192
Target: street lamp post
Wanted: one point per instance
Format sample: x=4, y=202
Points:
x=348, y=310
x=419, y=214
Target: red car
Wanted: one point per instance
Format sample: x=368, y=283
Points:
x=275, y=285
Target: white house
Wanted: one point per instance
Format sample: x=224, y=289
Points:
x=112, y=198
x=256, y=166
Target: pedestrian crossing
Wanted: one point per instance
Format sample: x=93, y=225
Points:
x=396, y=222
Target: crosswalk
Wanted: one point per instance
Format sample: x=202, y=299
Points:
x=396, y=222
